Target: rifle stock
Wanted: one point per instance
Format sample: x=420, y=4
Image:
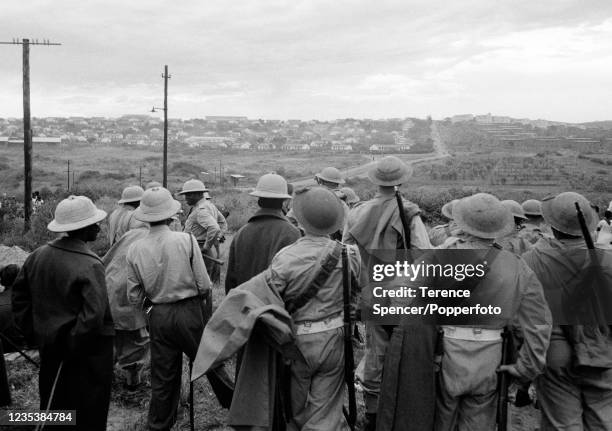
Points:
x=502, y=400
x=403, y=219
x=583, y=227
x=349, y=360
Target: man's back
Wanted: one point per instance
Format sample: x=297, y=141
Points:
x=65, y=283
x=256, y=243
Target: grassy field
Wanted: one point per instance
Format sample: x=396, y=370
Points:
x=117, y=167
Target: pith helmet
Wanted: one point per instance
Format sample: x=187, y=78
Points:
x=271, y=186
x=389, y=171
x=318, y=210
x=560, y=212
x=192, y=186
x=532, y=207
x=156, y=204
x=131, y=194
x=351, y=196
x=483, y=216
x=447, y=209
x=152, y=184
x=515, y=208
x=331, y=174
x=75, y=212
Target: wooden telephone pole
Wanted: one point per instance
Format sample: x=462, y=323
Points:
x=165, y=109
x=27, y=126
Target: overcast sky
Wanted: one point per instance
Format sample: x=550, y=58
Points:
x=312, y=59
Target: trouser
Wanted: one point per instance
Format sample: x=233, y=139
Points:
x=176, y=328
x=369, y=371
x=317, y=382
x=5, y=391
x=84, y=382
x=466, y=399
x=131, y=354
x=575, y=401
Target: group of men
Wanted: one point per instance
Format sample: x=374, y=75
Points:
x=148, y=295
x=152, y=293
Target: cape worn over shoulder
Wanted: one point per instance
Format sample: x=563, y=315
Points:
x=230, y=328
x=377, y=222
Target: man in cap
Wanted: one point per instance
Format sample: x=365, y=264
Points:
x=575, y=391
x=440, y=233
x=166, y=269
x=466, y=398
x=317, y=378
x=376, y=225
x=331, y=178
x=514, y=242
x=60, y=301
x=265, y=233
x=122, y=219
x=535, y=227
x=205, y=222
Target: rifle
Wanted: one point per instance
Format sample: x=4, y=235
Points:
x=583, y=227
x=349, y=360
x=502, y=400
x=191, y=410
x=402, y=214
x=209, y=257
x=600, y=313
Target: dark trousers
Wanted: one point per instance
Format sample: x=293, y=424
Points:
x=5, y=391
x=175, y=329
x=84, y=382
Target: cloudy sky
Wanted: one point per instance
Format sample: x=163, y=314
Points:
x=313, y=59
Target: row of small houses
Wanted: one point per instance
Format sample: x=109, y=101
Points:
x=219, y=142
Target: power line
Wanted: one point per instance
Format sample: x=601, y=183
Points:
x=27, y=127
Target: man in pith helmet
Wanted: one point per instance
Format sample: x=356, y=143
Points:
x=205, y=222
x=376, y=225
x=439, y=234
x=535, y=227
x=166, y=270
x=575, y=391
x=317, y=379
x=466, y=398
x=60, y=303
x=331, y=179
x=350, y=197
x=265, y=233
x=122, y=219
x=514, y=242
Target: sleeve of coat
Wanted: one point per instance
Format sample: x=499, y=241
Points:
x=230, y=276
x=535, y=321
x=209, y=223
x=21, y=299
x=202, y=280
x=135, y=289
x=419, y=238
x=92, y=284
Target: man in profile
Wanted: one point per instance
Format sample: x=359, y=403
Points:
x=60, y=302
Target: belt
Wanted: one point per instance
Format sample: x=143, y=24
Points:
x=469, y=333
x=304, y=328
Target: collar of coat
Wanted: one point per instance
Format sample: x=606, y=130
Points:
x=268, y=212
x=73, y=245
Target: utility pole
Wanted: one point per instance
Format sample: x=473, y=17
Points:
x=68, y=183
x=27, y=127
x=140, y=175
x=165, y=109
